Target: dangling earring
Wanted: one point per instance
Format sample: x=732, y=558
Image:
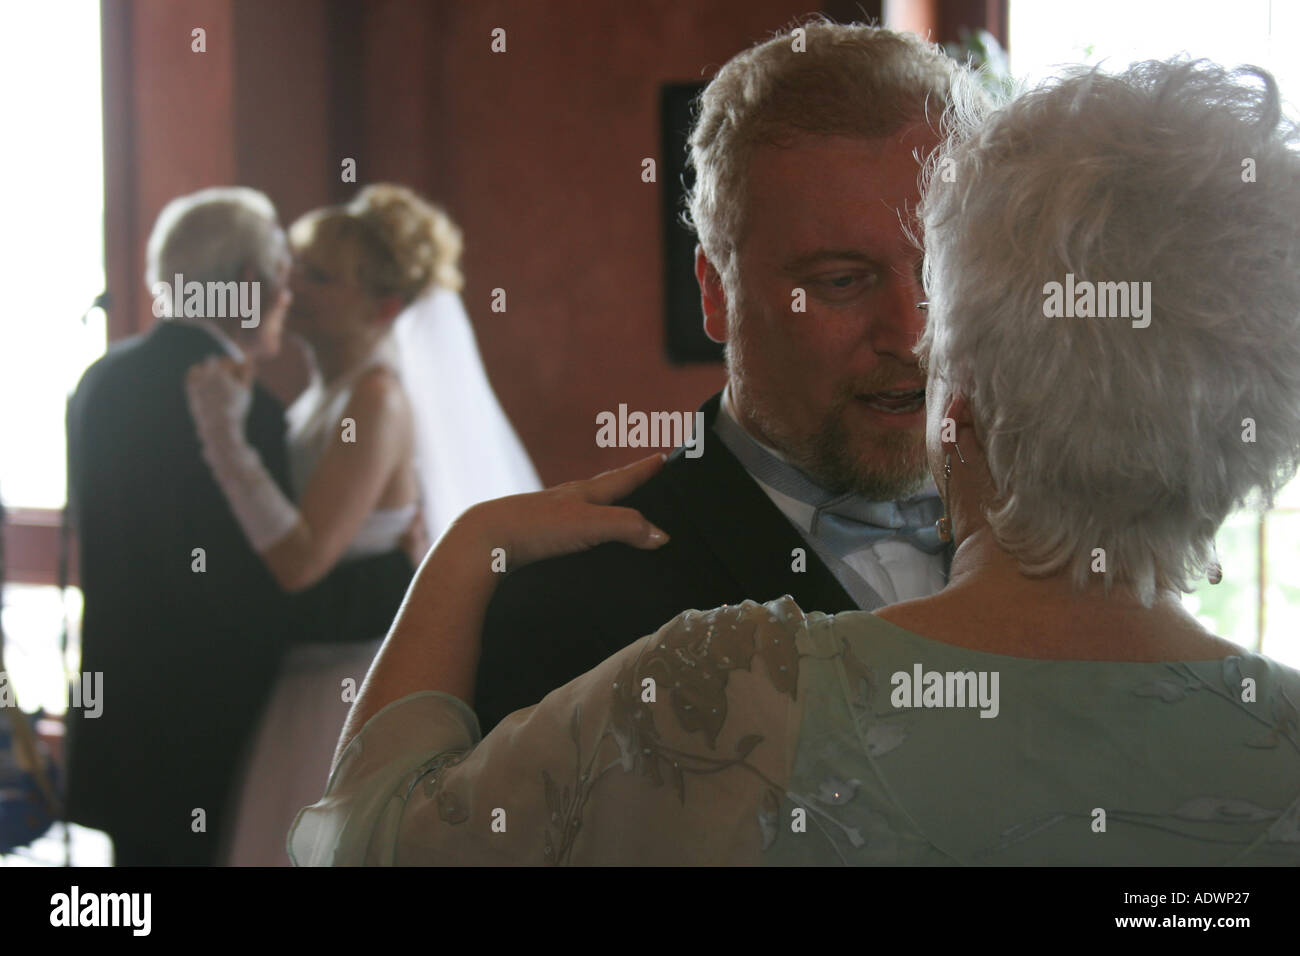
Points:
x=1214, y=573
x=944, y=525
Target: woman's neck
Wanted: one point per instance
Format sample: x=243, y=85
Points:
x=990, y=604
x=338, y=357
x=980, y=562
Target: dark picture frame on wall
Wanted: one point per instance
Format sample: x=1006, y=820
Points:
x=684, y=337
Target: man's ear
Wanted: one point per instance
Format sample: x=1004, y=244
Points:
x=713, y=298
x=250, y=271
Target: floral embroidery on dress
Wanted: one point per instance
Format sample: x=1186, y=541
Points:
x=691, y=664
x=877, y=733
x=450, y=808
x=1280, y=725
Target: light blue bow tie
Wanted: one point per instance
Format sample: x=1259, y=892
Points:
x=845, y=522
x=850, y=522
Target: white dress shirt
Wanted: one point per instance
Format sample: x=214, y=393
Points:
x=894, y=569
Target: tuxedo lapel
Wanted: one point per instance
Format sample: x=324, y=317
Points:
x=745, y=531
x=184, y=346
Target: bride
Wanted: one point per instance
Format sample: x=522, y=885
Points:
x=375, y=295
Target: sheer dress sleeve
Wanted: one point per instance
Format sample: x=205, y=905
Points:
x=676, y=750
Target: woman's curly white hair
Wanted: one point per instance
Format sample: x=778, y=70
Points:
x=1099, y=434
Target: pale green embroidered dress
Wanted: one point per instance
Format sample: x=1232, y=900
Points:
x=757, y=735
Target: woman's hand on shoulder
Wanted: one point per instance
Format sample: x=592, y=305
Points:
x=220, y=392
x=568, y=518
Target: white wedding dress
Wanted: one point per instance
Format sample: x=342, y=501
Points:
x=465, y=452
x=290, y=760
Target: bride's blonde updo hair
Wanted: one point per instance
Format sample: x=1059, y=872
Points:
x=401, y=244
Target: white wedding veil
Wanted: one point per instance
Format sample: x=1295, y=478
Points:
x=465, y=448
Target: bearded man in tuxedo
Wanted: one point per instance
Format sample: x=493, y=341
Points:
x=813, y=478
x=181, y=618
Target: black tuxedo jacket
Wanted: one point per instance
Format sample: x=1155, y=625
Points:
x=187, y=656
x=552, y=621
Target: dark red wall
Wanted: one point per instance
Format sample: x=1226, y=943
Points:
x=536, y=152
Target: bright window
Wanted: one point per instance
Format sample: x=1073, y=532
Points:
x=53, y=241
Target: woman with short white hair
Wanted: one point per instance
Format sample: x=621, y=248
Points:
x=1054, y=704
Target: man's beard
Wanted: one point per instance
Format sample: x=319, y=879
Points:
x=890, y=466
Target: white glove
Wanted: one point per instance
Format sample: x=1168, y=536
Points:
x=219, y=401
